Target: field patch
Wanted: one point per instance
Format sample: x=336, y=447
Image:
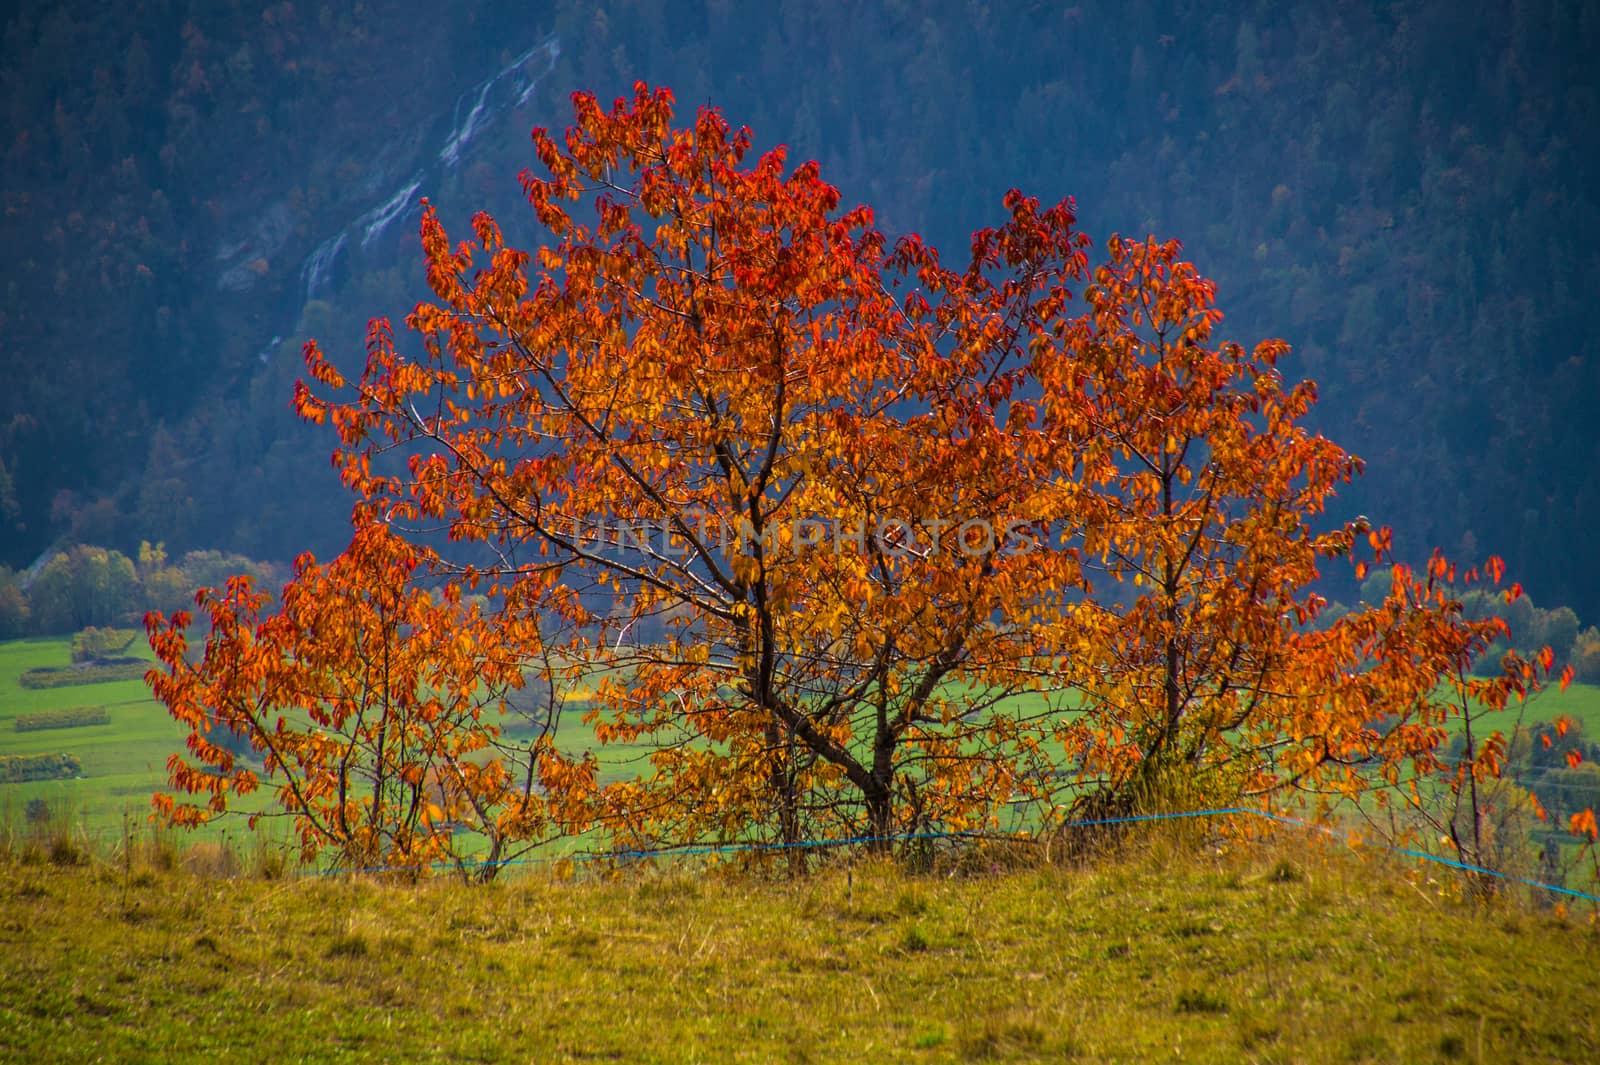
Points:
x=121, y=763
x=95, y=671
x=25, y=768
x=66, y=717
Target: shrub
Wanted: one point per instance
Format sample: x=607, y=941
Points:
x=69, y=717
x=50, y=596
x=1558, y=629
x=1563, y=791
x=92, y=644
x=86, y=586
x=211, y=569
x=104, y=670
x=167, y=589
x=1586, y=655
x=24, y=768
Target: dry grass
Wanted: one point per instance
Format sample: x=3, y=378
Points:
x=1279, y=952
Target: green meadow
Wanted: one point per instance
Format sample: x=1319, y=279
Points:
x=123, y=761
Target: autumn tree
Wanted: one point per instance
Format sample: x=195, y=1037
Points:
x=848, y=541
x=1196, y=512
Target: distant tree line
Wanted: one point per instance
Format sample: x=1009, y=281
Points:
x=1530, y=627
x=86, y=586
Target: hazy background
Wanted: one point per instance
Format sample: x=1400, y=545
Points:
x=1406, y=194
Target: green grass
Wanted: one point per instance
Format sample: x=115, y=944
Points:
x=1277, y=954
x=124, y=761
x=19, y=655
x=1579, y=701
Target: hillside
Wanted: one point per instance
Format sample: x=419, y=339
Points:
x=1406, y=196
x=1275, y=954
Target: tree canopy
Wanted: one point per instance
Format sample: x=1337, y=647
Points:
x=851, y=542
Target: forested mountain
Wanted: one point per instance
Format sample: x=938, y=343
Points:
x=1407, y=195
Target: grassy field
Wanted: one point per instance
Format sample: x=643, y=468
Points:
x=123, y=761
x=1275, y=953
x=1580, y=702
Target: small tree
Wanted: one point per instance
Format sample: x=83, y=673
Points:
x=1197, y=502
x=372, y=703
x=1418, y=650
x=15, y=610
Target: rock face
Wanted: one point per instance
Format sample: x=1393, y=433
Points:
x=248, y=260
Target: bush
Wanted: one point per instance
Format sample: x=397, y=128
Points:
x=1557, y=629
x=70, y=717
x=211, y=569
x=92, y=644
x=166, y=589
x=105, y=670
x=24, y=768
x=1586, y=655
x=1567, y=790
x=95, y=586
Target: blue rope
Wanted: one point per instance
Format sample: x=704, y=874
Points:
x=694, y=849
x=1412, y=852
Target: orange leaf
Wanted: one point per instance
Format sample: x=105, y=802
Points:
x=1583, y=824
x=1573, y=758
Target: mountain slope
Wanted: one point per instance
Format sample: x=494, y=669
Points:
x=1407, y=196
